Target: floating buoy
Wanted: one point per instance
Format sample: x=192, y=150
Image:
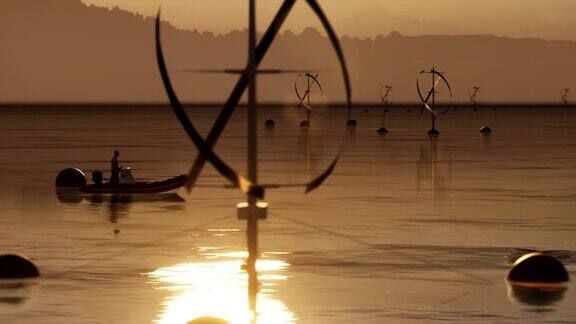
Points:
x=208, y=320
x=485, y=130
x=13, y=266
x=366, y=110
x=351, y=123
x=71, y=178
x=382, y=130
x=537, y=279
x=408, y=110
x=270, y=123
x=304, y=123
x=433, y=132
x=538, y=268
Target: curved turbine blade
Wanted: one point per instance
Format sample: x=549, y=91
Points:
x=318, y=181
x=236, y=95
x=315, y=79
x=429, y=108
x=420, y=91
x=310, y=186
x=239, y=181
x=337, y=48
x=443, y=79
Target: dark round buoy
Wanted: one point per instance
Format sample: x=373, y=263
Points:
x=538, y=268
x=382, y=130
x=433, y=132
x=408, y=110
x=485, y=130
x=351, y=123
x=208, y=320
x=304, y=123
x=70, y=178
x=366, y=110
x=13, y=266
x=270, y=123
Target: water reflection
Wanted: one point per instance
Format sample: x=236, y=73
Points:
x=220, y=287
x=17, y=295
x=429, y=172
x=538, y=298
x=310, y=150
x=117, y=205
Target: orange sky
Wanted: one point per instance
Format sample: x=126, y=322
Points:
x=550, y=19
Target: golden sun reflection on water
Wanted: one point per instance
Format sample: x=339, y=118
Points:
x=218, y=287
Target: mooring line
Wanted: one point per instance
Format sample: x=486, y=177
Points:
x=377, y=247
x=22, y=174
x=141, y=246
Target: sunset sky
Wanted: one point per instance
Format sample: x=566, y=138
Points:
x=549, y=19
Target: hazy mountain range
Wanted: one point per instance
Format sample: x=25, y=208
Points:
x=63, y=50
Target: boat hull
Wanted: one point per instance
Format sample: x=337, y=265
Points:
x=171, y=185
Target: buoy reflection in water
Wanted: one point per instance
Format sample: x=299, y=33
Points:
x=219, y=288
x=18, y=295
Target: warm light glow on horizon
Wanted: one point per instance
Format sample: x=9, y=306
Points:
x=549, y=19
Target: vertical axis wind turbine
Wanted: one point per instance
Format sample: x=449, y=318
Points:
x=436, y=78
x=305, y=99
x=474, y=94
x=566, y=98
x=386, y=94
x=255, y=208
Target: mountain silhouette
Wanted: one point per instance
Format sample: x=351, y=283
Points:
x=65, y=51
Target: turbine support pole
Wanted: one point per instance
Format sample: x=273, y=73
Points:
x=253, y=210
x=433, y=97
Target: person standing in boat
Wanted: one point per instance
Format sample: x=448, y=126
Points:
x=115, y=169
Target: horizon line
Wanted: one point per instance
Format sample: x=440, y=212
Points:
x=277, y=104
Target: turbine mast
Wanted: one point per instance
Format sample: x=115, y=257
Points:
x=252, y=102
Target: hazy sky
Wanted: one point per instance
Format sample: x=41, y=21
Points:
x=550, y=19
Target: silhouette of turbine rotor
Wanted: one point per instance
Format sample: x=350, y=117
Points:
x=205, y=146
x=473, y=94
x=565, y=97
x=386, y=94
x=436, y=78
x=312, y=89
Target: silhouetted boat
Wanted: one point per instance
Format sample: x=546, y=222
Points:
x=152, y=187
x=74, y=181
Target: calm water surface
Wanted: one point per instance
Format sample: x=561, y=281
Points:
x=406, y=230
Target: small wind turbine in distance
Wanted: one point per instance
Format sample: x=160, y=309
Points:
x=474, y=95
x=436, y=78
x=386, y=94
x=305, y=85
x=566, y=98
